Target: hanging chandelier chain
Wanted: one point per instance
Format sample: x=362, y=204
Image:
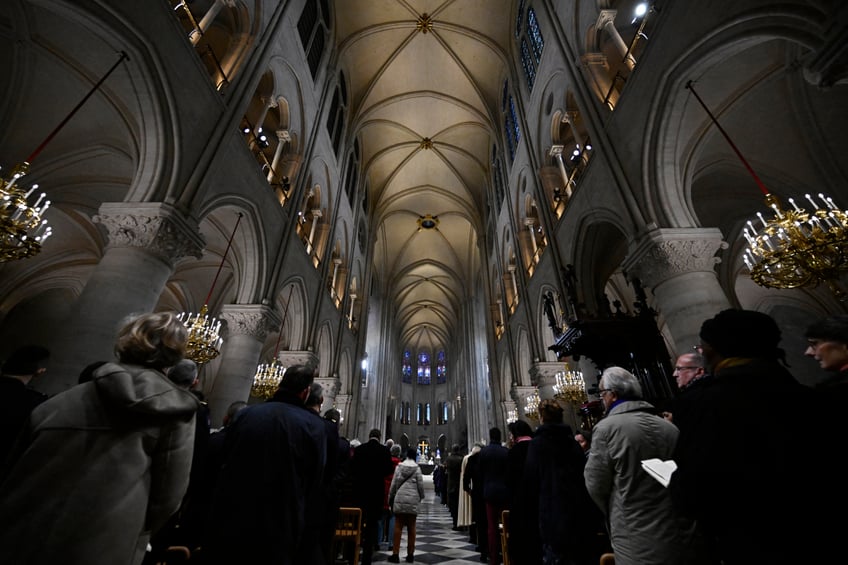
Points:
x=223, y=258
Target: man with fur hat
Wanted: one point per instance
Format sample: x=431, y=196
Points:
x=742, y=471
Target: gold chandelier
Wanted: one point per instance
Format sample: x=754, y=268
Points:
x=795, y=248
x=531, y=406
x=204, y=339
x=23, y=228
x=268, y=375
x=569, y=386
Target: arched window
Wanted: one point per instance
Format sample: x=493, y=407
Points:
x=530, y=43
x=337, y=113
x=313, y=29
x=423, y=368
x=511, y=128
x=441, y=368
x=498, y=178
x=406, y=370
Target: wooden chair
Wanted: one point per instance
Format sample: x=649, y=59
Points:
x=349, y=530
x=504, y=526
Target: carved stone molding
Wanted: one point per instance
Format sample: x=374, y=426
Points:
x=542, y=373
x=519, y=393
x=255, y=320
x=157, y=227
x=666, y=253
x=289, y=358
x=331, y=386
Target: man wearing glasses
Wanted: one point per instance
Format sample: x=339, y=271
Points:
x=691, y=376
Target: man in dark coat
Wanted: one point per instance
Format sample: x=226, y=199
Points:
x=371, y=462
x=17, y=400
x=453, y=471
x=273, y=473
x=739, y=472
x=556, y=515
x=493, y=470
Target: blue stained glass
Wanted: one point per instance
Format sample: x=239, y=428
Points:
x=441, y=369
x=517, y=128
x=423, y=368
x=527, y=64
x=406, y=368
x=535, y=33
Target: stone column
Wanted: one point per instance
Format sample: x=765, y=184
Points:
x=678, y=266
x=247, y=327
x=208, y=18
x=606, y=22
x=144, y=242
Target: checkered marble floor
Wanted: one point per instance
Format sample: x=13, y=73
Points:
x=435, y=540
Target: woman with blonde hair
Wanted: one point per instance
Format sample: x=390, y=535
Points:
x=103, y=465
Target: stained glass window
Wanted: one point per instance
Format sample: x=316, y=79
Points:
x=527, y=64
x=536, y=39
x=423, y=368
x=441, y=368
x=406, y=369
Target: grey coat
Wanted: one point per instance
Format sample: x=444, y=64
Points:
x=407, y=487
x=644, y=527
x=98, y=469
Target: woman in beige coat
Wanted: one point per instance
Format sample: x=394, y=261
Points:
x=103, y=465
x=406, y=492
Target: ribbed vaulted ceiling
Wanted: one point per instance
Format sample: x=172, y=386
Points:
x=426, y=78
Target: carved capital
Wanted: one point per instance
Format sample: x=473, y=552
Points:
x=666, y=253
x=255, y=320
x=331, y=386
x=289, y=358
x=156, y=227
x=543, y=373
x=520, y=393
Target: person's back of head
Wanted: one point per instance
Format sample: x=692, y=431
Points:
x=550, y=412
x=495, y=435
x=411, y=453
x=232, y=410
x=455, y=449
x=395, y=450
x=156, y=340
x=740, y=333
x=375, y=433
x=520, y=428
x=296, y=382
x=184, y=373
x=622, y=382
x=333, y=415
x=316, y=397
x=26, y=361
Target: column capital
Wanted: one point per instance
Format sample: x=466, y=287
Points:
x=556, y=150
x=331, y=385
x=662, y=254
x=255, y=320
x=289, y=358
x=518, y=393
x=154, y=226
x=606, y=17
x=543, y=372
x=283, y=135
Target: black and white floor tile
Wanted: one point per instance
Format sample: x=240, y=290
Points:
x=435, y=539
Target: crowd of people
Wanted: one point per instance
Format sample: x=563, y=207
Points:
x=125, y=465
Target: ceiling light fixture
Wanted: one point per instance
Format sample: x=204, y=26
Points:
x=795, y=248
x=23, y=229
x=204, y=339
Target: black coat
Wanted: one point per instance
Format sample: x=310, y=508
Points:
x=747, y=471
x=371, y=462
x=493, y=468
x=16, y=403
x=557, y=502
x=272, y=474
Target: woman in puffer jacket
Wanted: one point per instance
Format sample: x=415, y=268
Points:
x=406, y=492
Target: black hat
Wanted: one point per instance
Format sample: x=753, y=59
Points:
x=742, y=333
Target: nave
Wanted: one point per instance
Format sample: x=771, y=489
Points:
x=435, y=540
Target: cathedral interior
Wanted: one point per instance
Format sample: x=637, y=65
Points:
x=418, y=197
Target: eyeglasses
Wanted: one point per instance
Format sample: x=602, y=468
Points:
x=686, y=368
x=603, y=391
